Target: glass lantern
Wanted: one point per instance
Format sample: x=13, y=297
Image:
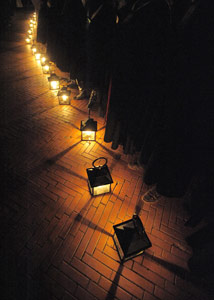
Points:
x=64, y=96
x=37, y=55
x=88, y=130
x=43, y=60
x=28, y=40
x=99, y=177
x=34, y=49
x=46, y=68
x=53, y=82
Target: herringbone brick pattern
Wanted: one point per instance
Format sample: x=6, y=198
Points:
x=57, y=238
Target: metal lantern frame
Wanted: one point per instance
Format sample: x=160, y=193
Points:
x=46, y=68
x=99, y=177
x=54, y=78
x=37, y=55
x=64, y=96
x=34, y=49
x=88, y=130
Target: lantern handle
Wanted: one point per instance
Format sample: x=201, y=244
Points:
x=99, y=166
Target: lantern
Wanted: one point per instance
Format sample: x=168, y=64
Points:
x=30, y=31
x=31, y=25
x=33, y=48
x=46, y=68
x=88, y=130
x=130, y=238
x=53, y=82
x=99, y=177
x=28, y=40
x=43, y=60
x=64, y=96
x=37, y=55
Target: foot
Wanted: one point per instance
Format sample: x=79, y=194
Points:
x=150, y=196
x=135, y=166
x=82, y=95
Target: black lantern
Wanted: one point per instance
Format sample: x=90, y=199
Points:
x=53, y=82
x=64, y=96
x=99, y=177
x=46, y=68
x=88, y=130
x=37, y=55
x=34, y=49
x=28, y=39
x=130, y=238
x=43, y=60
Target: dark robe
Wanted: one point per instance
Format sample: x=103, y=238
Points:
x=54, y=30
x=100, y=27
x=42, y=27
x=72, y=38
x=138, y=77
x=185, y=145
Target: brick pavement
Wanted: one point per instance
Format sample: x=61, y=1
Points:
x=57, y=239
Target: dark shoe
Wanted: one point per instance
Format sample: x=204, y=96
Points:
x=82, y=95
x=151, y=196
x=92, y=99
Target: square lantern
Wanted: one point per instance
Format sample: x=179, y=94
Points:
x=37, y=55
x=28, y=40
x=53, y=82
x=99, y=177
x=43, y=60
x=46, y=68
x=64, y=96
x=88, y=130
x=34, y=49
x=130, y=238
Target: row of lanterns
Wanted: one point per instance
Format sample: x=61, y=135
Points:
x=99, y=177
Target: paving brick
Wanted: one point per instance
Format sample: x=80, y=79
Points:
x=158, y=269
x=97, y=291
x=151, y=276
x=83, y=294
x=74, y=246
x=104, y=237
x=85, y=269
x=128, y=285
x=57, y=191
x=161, y=294
x=113, y=290
x=138, y=280
x=74, y=274
x=62, y=279
x=96, y=265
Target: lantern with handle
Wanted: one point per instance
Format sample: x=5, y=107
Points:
x=64, y=96
x=46, y=68
x=53, y=82
x=99, y=177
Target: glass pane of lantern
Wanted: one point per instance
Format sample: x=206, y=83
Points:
x=64, y=99
x=88, y=135
x=34, y=50
x=46, y=69
x=37, y=56
x=102, y=189
x=54, y=85
x=43, y=60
